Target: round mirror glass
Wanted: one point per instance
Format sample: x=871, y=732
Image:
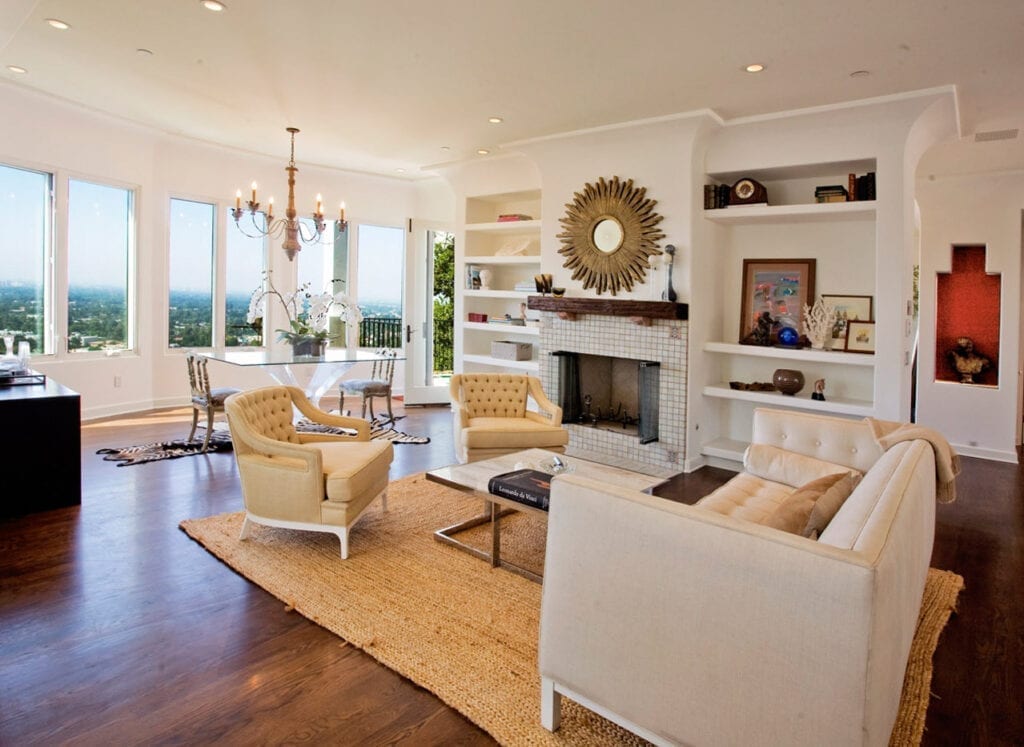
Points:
x=608, y=235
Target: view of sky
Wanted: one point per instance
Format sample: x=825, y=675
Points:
x=23, y=201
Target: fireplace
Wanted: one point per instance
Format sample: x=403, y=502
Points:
x=609, y=393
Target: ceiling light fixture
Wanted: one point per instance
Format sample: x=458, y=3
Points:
x=58, y=24
x=17, y=69
x=495, y=120
x=757, y=67
x=213, y=5
x=482, y=151
x=295, y=233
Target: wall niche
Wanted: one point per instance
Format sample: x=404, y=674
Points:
x=967, y=309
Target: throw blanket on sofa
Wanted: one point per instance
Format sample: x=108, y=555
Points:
x=947, y=462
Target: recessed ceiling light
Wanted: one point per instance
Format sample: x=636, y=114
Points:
x=495, y=120
x=482, y=151
x=214, y=5
x=58, y=24
x=17, y=69
x=755, y=68
x=860, y=74
x=445, y=147
x=143, y=52
x=400, y=170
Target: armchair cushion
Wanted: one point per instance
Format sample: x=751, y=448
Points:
x=352, y=469
x=517, y=433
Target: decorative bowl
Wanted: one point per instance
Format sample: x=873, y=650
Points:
x=788, y=380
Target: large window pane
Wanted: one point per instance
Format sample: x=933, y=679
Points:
x=244, y=265
x=24, y=243
x=99, y=246
x=316, y=261
x=381, y=271
x=190, y=314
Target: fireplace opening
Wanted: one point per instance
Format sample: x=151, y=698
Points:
x=608, y=393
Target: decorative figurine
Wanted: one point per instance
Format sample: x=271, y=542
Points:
x=670, y=293
x=819, y=390
x=966, y=362
x=762, y=333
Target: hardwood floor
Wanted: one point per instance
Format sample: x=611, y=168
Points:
x=116, y=628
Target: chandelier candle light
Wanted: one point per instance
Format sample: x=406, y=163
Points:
x=293, y=230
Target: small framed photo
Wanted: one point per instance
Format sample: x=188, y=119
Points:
x=472, y=277
x=860, y=337
x=848, y=308
x=778, y=288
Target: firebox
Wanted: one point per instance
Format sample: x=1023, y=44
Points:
x=613, y=394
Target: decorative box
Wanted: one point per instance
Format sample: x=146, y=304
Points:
x=512, y=351
x=475, y=317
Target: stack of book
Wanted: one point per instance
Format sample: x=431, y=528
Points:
x=527, y=486
x=831, y=193
x=506, y=217
x=716, y=196
x=529, y=286
x=862, y=187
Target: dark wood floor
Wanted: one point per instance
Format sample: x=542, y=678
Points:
x=116, y=628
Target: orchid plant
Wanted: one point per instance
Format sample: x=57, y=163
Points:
x=308, y=313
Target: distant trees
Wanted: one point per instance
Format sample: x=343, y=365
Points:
x=444, y=302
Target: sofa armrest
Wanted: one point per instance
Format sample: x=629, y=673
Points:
x=702, y=628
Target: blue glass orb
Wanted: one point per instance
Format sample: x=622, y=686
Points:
x=788, y=336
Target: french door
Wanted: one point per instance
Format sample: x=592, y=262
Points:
x=429, y=331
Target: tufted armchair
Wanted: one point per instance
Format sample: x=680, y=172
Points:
x=312, y=481
x=491, y=416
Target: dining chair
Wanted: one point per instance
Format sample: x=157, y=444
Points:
x=204, y=399
x=377, y=385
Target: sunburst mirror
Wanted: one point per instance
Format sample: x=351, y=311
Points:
x=610, y=233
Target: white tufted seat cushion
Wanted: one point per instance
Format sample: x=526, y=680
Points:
x=747, y=497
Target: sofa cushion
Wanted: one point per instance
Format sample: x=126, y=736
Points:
x=747, y=497
x=810, y=507
x=789, y=467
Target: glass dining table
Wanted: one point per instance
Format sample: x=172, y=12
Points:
x=323, y=371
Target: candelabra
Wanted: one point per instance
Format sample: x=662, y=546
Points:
x=294, y=231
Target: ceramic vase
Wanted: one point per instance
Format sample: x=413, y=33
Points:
x=788, y=380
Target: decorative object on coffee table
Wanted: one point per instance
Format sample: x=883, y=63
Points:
x=819, y=390
x=609, y=235
x=966, y=361
x=818, y=322
x=788, y=380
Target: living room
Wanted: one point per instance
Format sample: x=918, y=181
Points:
x=939, y=187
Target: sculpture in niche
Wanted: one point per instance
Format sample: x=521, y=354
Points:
x=610, y=233
x=966, y=362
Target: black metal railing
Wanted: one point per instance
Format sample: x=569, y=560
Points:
x=380, y=332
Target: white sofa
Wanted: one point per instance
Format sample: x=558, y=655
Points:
x=687, y=626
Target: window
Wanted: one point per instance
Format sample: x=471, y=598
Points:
x=380, y=274
x=190, y=276
x=99, y=252
x=244, y=263
x=26, y=210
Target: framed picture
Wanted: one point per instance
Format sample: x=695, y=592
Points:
x=472, y=277
x=779, y=288
x=860, y=337
x=860, y=308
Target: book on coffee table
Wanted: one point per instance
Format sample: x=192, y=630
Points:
x=528, y=486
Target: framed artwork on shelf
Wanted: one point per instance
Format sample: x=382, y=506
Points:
x=848, y=308
x=778, y=288
x=860, y=336
x=472, y=277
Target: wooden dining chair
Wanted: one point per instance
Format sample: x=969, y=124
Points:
x=379, y=384
x=204, y=399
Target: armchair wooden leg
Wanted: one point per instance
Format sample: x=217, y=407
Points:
x=364, y=407
x=550, y=705
x=195, y=422
x=343, y=539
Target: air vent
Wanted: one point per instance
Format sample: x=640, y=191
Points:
x=985, y=137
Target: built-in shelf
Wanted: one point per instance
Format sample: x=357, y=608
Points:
x=834, y=405
x=807, y=355
x=494, y=259
x=511, y=226
x=503, y=329
x=725, y=448
x=610, y=307
x=496, y=294
x=817, y=211
x=489, y=360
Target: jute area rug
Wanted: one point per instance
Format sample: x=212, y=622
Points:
x=457, y=627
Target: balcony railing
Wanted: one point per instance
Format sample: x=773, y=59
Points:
x=380, y=332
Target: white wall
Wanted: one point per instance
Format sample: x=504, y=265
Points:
x=38, y=131
x=978, y=209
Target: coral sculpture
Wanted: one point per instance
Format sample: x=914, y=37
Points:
x=818, y=321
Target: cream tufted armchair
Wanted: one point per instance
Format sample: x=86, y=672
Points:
x=313, y=481
x=491, y=416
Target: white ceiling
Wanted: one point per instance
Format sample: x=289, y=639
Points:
x=381, y=85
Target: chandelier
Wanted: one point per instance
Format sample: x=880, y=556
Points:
x=294, y=231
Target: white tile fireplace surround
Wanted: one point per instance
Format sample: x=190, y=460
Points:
x=615, y=336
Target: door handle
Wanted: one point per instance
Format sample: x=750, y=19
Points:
x=408, y=333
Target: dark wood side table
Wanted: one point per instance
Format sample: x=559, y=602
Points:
x=40, y=448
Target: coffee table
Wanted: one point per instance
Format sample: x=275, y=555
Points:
x=472, y=478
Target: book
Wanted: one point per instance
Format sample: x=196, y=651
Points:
x=851, y=186
x=528, y=486
x=507, y=217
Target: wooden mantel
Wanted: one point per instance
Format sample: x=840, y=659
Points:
x=641, y=312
